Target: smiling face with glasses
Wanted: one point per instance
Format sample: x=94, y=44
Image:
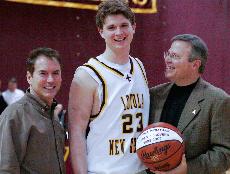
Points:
x=178, y=68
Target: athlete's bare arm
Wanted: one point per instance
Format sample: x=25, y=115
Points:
x=82, y=99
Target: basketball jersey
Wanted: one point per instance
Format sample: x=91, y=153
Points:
x=124, y=111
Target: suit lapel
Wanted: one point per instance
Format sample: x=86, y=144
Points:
x=158, y=111
x=192, y=106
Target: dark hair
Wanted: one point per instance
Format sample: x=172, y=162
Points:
x=113, y=7
x=34, y=54
x=199, y=48
x=12, y=80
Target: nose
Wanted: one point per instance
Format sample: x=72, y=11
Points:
x=50, y=78
x=167, y=57
x=118, y=31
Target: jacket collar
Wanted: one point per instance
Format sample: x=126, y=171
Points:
x=192, y=106
x=39, y=104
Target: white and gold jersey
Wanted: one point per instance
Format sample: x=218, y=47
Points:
x=124, y=111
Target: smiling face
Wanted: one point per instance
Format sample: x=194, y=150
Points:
x=178, y=68
x=117, y=32
x=46, y=79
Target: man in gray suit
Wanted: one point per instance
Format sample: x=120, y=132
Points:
x=200, y=110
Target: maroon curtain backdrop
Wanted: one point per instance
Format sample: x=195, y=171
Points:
x=73, y=33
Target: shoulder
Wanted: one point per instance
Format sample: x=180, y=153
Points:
x=16, y=110
x=87, y=68
x=88, y=73
x=84, y=66
x=5, y=93
x=83, y=82
x=212, y=91
x=19, y=91
x=160, y=87
x=137, y=60
x=82, y=76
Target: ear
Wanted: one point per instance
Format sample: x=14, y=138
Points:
x=134, y=27
x=197, y=64
x=101, y=32
x=29, y=77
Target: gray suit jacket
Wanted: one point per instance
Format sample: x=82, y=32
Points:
x=204, y=123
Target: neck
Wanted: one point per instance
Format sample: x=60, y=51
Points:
x=12, y=90
x=49, y=103
x=187, y=81
x=120, y=56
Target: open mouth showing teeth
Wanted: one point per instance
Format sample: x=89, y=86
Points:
x=170, y=68
x=49, y=88
x=119, y=40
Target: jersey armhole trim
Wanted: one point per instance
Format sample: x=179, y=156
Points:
x=104, y=100
x=142, y=70
x=131, y=64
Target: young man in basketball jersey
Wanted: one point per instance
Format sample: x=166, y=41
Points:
x=110, y=96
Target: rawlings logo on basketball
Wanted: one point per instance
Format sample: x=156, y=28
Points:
x=160, y=146
x=157, y=151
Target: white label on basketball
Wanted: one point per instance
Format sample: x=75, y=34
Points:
x=156, y=135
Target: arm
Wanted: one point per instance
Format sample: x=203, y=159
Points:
x=13, y=139
x=217, y=157
x=81, y=101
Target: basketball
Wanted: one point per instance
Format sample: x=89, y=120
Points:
x=160, y=146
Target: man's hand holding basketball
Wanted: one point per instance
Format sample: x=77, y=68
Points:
x=181, y=169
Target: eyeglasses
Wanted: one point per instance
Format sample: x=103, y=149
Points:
x=172, y=56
